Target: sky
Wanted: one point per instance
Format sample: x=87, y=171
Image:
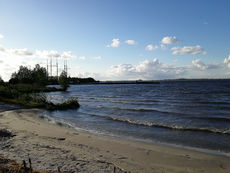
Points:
x=117, y=39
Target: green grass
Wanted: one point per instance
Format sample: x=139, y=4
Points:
x=32, y=97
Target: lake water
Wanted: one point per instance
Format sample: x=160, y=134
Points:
x=188, y=113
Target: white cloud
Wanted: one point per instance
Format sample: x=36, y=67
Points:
x=53, y=54
x=154, y=70
x=199, y=64
x=148, y=69
x=68, y=54
x=169, y=40
x=187, y=50
x=2, y=49
x=1, y=36
x=162, y=46
x=47, y=53
x=38, y=53
x=151, y=47
x=227, y=61
x=130, y=42
x=20, y=52
x=97, y=57
x=115, y=43
x=82, y=57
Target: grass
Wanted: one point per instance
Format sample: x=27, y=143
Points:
x=11, y=166
x=32, y=96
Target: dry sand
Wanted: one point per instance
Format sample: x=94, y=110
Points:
x=51, y=146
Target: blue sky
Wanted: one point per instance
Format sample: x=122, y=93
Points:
x=167, y=38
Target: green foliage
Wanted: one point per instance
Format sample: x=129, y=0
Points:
x=75, y=80
x=1, y=81
x=39, y=75
x=71, y=103
x=26, y=87
x=64, y=81
x=24, y=94
x=25, y=75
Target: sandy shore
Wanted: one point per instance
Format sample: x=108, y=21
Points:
x=51, y=146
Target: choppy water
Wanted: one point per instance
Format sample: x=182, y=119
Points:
x=188, y=113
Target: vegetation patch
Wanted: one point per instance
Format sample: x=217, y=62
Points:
x=27, y=87
x=5, y=133
x=10, y=166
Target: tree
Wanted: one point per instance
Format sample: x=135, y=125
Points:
x=27, y=76
x=64, y=81
x=1, y=81
x=24, y=75
x=39, y=75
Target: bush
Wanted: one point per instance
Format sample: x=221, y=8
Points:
x=64, y=81
x=71, y=103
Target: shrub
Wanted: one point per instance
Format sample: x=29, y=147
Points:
x=64, y=81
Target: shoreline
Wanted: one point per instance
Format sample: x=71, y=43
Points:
x=65, y=124
x=51, y=146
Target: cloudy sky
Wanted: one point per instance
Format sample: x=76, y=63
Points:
x=117, y=39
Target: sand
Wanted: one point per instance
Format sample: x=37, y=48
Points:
x=51, y=146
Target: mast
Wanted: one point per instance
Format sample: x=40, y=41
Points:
x=57, y=66
x=47, y=67
x=51, y=67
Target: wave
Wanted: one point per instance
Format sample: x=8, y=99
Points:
x=216, y=118
x=172, y=127
x=145, y=110
x=166, y=126
x=213, y=102
x=119, y=100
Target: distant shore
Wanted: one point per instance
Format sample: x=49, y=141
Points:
x=50, y=146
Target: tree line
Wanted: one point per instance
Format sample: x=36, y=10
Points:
x=37, y=76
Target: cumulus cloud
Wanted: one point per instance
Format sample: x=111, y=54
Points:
x=151, y=47
x=20, y=52
x=199, y=64
x=37, y=54
x=148, y=69
x=169, y=40
x=2, y=49
x=115, y=43
x=227, y=61
x=54, y=54
x=1, y=36
x=130, y=42
x=82, y=57
x=202, y=66
x=47, y=53
x=187, y=50
x=97, y=57
x=154, y=69
x=162, y=46
x=68, y=54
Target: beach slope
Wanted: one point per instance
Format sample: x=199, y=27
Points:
x=51, y=147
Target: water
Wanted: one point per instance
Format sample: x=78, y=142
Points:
x=188, y=113
x=8, y=107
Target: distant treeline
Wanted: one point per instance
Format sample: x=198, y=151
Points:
x=27, y=86
x=39, y=76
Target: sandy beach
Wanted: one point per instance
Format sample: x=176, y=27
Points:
x=51, y=146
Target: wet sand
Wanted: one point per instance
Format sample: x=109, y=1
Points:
x=51, y=146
